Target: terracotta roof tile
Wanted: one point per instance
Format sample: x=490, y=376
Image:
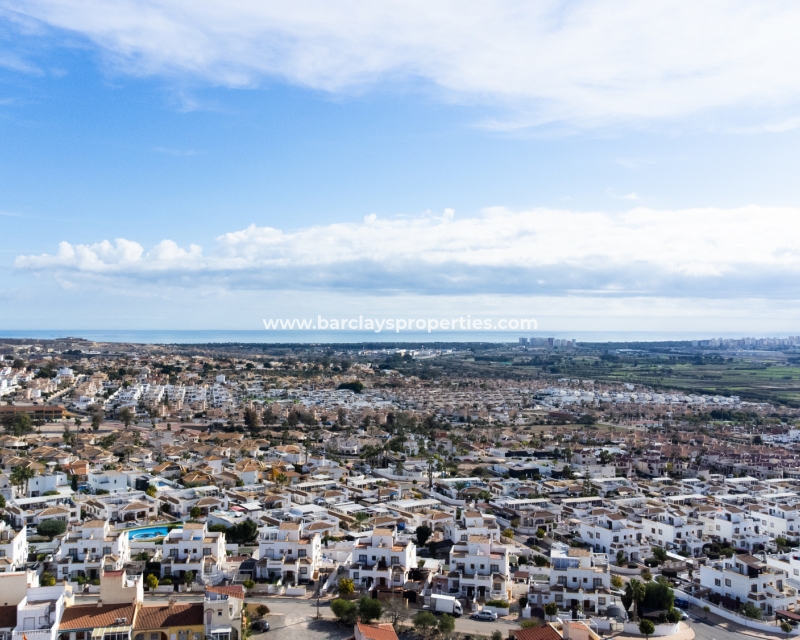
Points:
x=177, y=615
x=377, y=631
x=89, y=616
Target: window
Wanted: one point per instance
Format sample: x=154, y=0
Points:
x=753, y=588
x=727, y=582
x=106, y=551
x=494, y=568
x=362, y=558
x=173, y=553
x=395, y=560
x=717, y=583
x=597, y=583
x=464, y=538
x=616, y=538
x=154, y=635
x=355, y=575
x=601, y=600
x=301, y=553
x=562, y=580
x=559, y=597
x=206, y=551
x=574, y=579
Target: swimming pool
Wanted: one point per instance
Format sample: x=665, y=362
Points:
x=147, y=533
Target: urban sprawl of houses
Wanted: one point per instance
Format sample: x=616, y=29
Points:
x=555, y=499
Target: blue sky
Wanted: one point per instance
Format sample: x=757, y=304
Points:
x=599, y=165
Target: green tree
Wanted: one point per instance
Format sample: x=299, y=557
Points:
x=497, y=635
x=660, y=554
x=151, y=491
x=249, y=584
x=447, y=625
x=551, y=609
x=361, y=517
x=73, y=482
x=423, y=622
x=51, y=528
x=262, y=610
x=369, y=609
x=152, y=581
x=188, y=577
x=658, y=595
x=97, y=416
x=126, y=416
x=423, y=532
x=346, y=587
x=634, y=594
x=750, y=610
x=47, y=580
x=646, y=628
x=194, y=513
x=2, y=502
x=616, y=582
x=346, y=612
x=786, y=627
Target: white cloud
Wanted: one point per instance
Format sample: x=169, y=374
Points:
x=732, y=253
x=586, y=61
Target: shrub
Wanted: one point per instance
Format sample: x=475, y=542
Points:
x=166, y=581
x=646, y=627
x=551, y=609
x=673, y=617
x=497, y=635
x=527, y=624
x=500, y=604
x=345, y=611
x=152, y=581
x=262, y=610
x=248, y=584
x=47, y=580
x=346, y=587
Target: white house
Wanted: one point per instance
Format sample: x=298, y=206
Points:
x=379, y=561
x=289, y=551
x=745, y=578
x=90, y=550
x=193, y=548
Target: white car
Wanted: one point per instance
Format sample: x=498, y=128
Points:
x=489, y=616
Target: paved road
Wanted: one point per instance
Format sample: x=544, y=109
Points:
x=716, y=628
x=287, y=614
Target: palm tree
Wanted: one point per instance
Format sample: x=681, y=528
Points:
x=281, y=479
x=635, y=591
x=20, y=477
x=361, y=517
x=460, y=486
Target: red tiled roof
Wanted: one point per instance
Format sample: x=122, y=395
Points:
x=377, y=631
x=234, y=591
x=177, y=615
x=89, y=616
x=545, y=632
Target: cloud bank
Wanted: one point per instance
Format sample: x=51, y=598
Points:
x=590, y=61
x=734, y=253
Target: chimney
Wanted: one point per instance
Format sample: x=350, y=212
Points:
x=99, y=602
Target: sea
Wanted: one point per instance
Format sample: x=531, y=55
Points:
x=222, y=336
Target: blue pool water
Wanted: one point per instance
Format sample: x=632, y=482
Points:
x=146, y=534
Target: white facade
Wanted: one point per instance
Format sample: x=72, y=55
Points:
x=193, y=548
x=289, y=551
x=379, y=561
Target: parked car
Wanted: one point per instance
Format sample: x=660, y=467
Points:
x=684, y=615
x=532, y=541
x=259, y=626
x=489, y=616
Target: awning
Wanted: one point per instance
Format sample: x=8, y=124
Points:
x=789, y=615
